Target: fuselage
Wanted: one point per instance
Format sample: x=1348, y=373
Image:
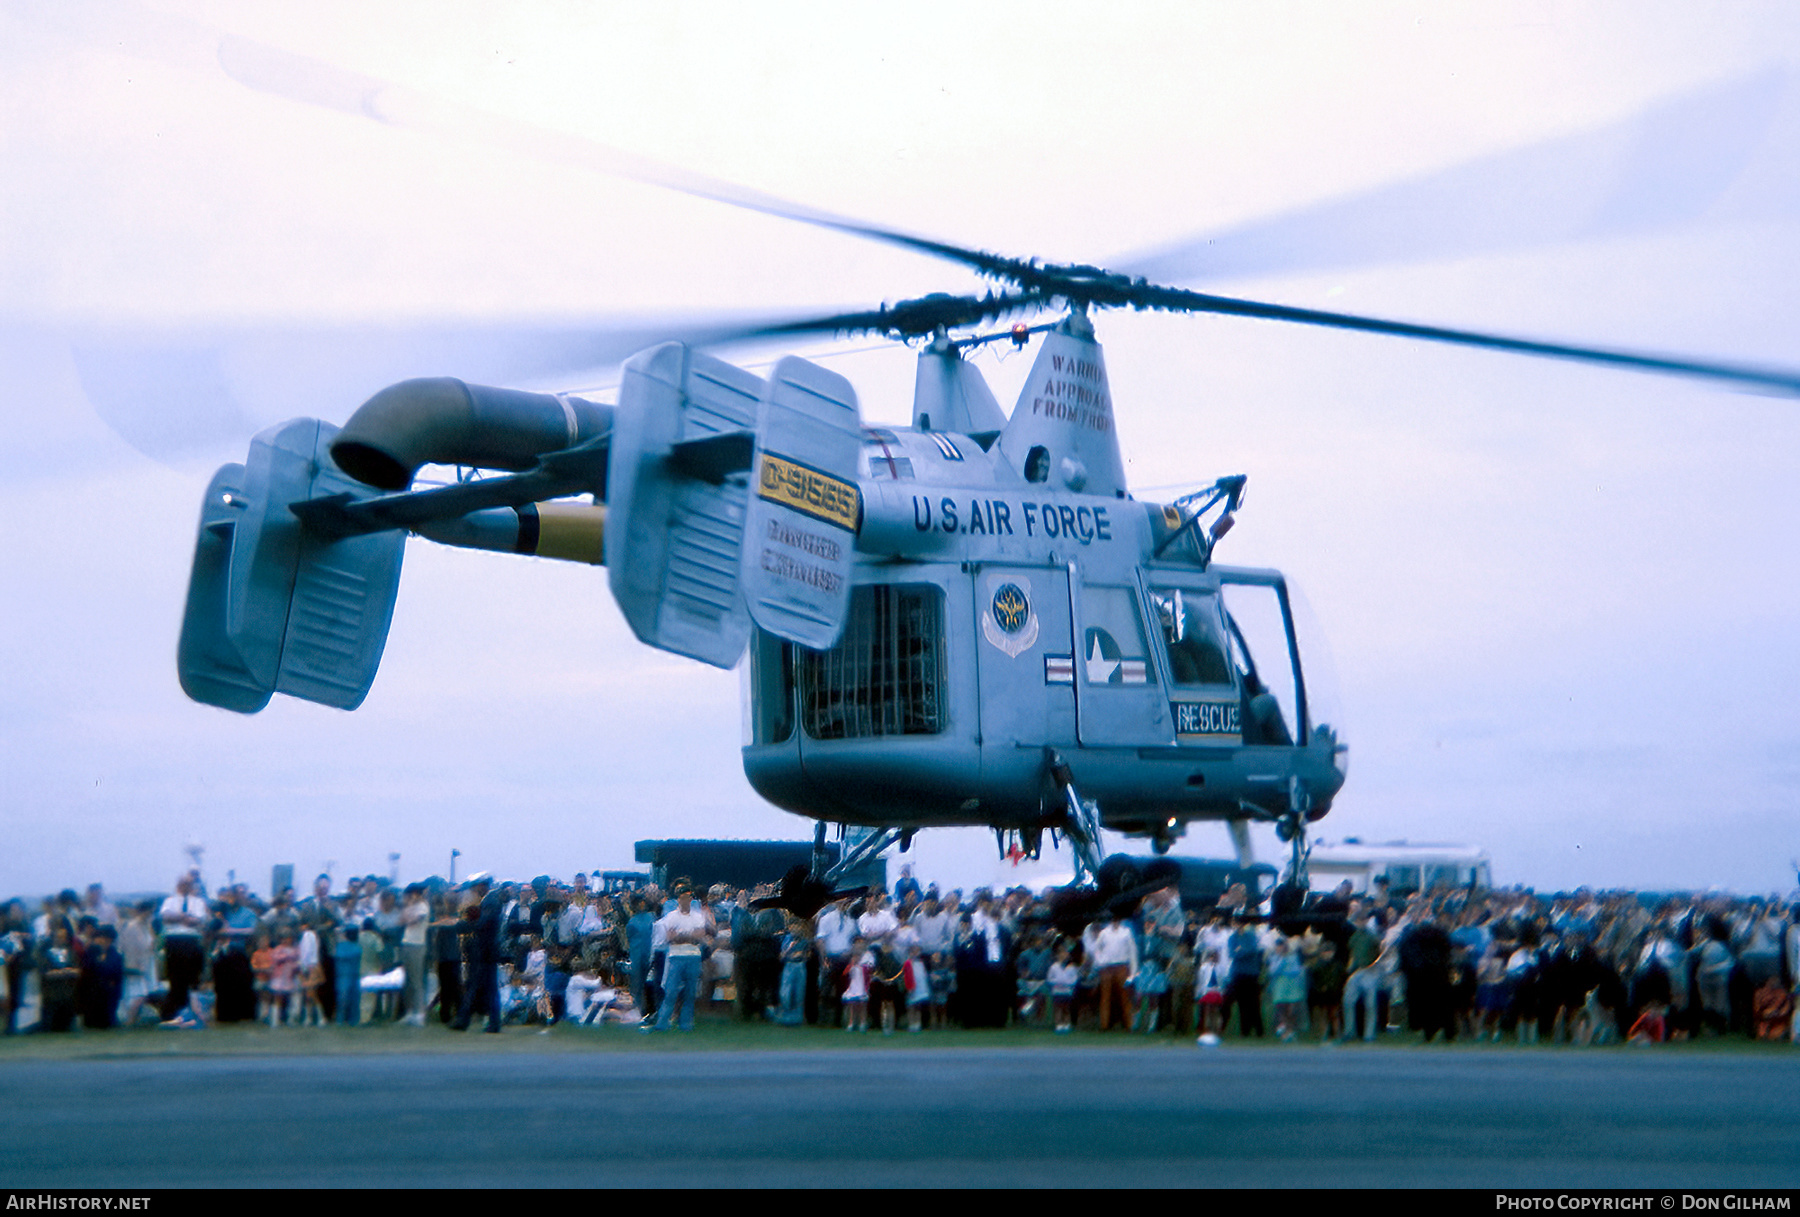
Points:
x=996, y=620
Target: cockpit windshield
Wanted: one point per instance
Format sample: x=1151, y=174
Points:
x=1274, y=698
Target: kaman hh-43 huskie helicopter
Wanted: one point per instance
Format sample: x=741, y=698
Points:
x=968, y=621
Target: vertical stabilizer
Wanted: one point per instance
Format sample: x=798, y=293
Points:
x=1062, y=432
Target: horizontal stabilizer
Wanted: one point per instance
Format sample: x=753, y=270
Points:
x=677, y=514
x=802, y=520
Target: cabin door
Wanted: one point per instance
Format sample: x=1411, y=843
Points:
x=1024, y=656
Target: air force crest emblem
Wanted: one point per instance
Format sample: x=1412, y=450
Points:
x=1008, y=620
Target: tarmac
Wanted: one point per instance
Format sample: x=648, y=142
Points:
x=1073, y=1113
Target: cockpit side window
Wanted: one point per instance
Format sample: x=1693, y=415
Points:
x=1191, y=636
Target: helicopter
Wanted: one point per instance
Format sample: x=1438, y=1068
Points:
x=1156, y=663
x=965, y=622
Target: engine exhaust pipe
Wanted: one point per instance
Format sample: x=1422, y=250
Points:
x=443, y=421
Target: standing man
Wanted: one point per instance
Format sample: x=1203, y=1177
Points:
x=183, y=919
x=234, y=987
x=1245, y=988
x=1112, y=949
x=836, y=932
x=102, y=979
x=484, y=956
x=415, y=921
x=687, y=930
x=907, y=891
x=1364, y=982
x=640, y=946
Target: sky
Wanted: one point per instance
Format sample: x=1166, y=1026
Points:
x=1559, y=598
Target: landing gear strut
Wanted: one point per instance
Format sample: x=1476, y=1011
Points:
x=1081, y=820
x=865, y=849
x=1291, y=828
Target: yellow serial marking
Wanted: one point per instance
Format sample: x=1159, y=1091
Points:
x=809, y=492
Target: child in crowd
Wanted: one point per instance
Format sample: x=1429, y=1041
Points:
x=1325, y=990
x=284, y=968
x=310, y=979
x=856, y=985
x=553, y=1003
x=1182, y=970
x=348, y=954
x=796, y=947
x=1034, y=965
x=918, y=988
x=1651, y=1026
x=1287, y=988
x=1062, y=978
x=1148, y=986
x=1774, y=1006
x=1209, y=993
x=518, y=996
x=943, y=984
x=259, y=968
x=372, y=962
x=1490, y=993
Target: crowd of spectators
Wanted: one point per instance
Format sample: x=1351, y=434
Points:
x=1496, y=965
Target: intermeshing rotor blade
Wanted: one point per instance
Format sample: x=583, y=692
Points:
x=184, y=394
x=270, y=69
x=912, y=318
x=1149, y=296
x=1664, y=166
x=1657, y=168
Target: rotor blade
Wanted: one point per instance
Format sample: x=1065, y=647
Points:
x=192, y=397
x=914, y=318
x=1662, y=167
x=299, y=78
x=180, y=397
x=1174, y=299
x=271, y=69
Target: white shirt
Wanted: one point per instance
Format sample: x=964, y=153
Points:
x=1115, y=947
x=692, y=922
x=877, y=925
x=836, y=932
x=177, y=905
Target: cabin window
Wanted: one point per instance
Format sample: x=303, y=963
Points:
x=1112, y=640
x=886, y=674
